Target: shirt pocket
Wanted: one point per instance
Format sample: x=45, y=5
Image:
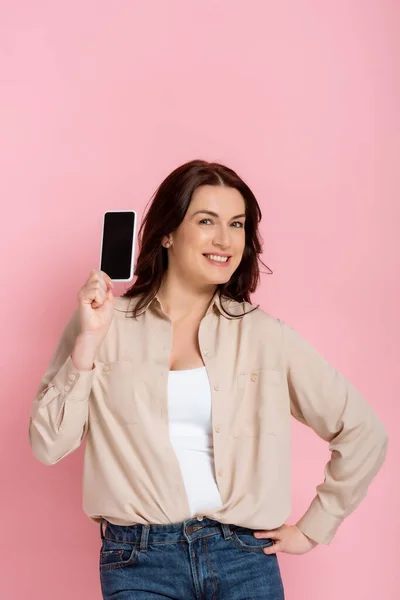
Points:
x=119, y=385
x=259, y=399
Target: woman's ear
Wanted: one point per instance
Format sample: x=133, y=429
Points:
x=166, y=241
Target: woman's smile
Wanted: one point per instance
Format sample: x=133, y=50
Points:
x=217, y=259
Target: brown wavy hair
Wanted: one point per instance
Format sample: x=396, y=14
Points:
x=167, y=210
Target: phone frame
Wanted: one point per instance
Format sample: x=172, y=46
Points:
x=132, y=267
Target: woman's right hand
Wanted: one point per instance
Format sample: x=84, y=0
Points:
x=96, y=305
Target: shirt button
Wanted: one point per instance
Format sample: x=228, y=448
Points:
x=254, y=377
x=72, y=376
x=217, y=428
x=106, y=368
x=219, y=473
x=206, y=353
x=67, y=388
x=200, y=518
x=216, y=388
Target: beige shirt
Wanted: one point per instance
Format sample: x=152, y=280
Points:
x=261, y=373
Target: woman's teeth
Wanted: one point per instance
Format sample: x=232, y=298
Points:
x=215, y=257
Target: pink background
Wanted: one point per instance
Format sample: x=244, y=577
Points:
x=99, y=102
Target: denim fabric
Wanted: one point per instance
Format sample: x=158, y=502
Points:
x=191, y=560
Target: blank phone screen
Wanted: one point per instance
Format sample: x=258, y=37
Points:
x=118, y=244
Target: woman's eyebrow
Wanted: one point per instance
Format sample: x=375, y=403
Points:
x=214, y=214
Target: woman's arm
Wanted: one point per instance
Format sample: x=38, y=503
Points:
x=327, y=402
x=59, y=412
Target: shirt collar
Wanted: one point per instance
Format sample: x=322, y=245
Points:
x=216, y=305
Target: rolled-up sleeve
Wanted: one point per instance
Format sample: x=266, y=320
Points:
x=59, y=412
x=323, y=399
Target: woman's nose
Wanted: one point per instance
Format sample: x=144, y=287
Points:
x=222, y=238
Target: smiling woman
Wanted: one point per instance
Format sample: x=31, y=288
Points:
x=202, y=225
x=220, y=239
x=186, y=408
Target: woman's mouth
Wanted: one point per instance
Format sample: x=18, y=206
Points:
x=218, y=259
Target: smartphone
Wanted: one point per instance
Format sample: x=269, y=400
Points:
x=117, y=250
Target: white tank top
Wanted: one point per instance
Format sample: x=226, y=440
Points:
x=190, y=427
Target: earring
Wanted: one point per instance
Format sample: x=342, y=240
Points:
x=167, y=244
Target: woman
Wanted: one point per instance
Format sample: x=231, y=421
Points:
x=184, y=393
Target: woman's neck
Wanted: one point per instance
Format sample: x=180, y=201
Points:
x=180, y=300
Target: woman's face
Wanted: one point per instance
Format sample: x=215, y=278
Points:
x=208, y=245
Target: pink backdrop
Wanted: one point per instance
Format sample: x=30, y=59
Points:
x=101, y=100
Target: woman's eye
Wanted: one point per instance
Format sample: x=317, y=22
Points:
x=237, y=224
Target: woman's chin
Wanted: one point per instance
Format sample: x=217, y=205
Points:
x=219, y=279
x=217, y=276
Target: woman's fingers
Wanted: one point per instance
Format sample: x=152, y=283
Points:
x=277, y=547
x=274, y=534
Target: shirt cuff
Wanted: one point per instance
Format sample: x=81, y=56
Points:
x=69, y=382
x=317, y=524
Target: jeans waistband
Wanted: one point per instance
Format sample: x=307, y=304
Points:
x=184, y=531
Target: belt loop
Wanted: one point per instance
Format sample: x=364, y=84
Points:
x=101, y=529
x=144, y=537
x=227, y=531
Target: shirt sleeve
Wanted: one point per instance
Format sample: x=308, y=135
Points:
x=323, y=399
x=59, y=412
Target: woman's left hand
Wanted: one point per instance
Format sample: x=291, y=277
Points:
x=287, y=538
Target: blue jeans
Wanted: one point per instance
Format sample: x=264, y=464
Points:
x=191, y=560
